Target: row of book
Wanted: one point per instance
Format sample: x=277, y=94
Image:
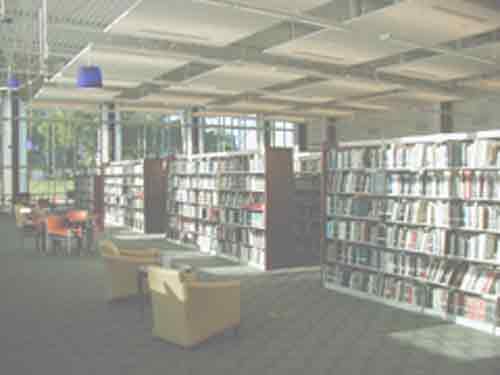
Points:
x=363, y=157
x=465, y=184
x=461, y=184
x=218, y=164
x=453, y=153
x=455, y=214
x=433, y=298
x=447, y=273
x=222, y=215
x=357, y=182
x=438, y=242
x=365, y=208
x=226, y=182
x=225, y=199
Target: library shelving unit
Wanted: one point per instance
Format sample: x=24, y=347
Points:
x=307, y=218
x=134, y=194
x=89, y=189
x=415, y=223
x=235, y=205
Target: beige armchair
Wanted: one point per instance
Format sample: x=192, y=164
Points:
x=187, y=312
x=122, y=267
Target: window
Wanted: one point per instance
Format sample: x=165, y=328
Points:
x=150, y=135
x=228, y=133
x=282, y=134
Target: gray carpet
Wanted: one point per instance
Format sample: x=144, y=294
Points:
x=54, y=320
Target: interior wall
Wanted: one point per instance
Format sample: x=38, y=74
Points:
x=476, y=115
x=400, y=122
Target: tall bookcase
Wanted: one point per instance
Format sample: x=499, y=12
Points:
x=415, y=223
x=89, y=192
x=236, y=205
x=134, y=194
x=307, y=202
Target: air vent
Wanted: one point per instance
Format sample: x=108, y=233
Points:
x=456, y=13
x=179, y=36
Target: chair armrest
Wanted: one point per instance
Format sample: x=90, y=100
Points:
x=140, y=252
x=212, y=307
x=133, y=259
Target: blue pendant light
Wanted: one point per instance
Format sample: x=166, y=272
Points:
x=89, y=76
x=13, y=82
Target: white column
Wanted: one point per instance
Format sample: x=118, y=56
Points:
x=110, y=135
x=6, y=114
x=23, y=149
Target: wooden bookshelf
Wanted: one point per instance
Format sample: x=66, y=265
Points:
x=415, y=223
x=134, y=194
x=235, y=205
x=307, y=202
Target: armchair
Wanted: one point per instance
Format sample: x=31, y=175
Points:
x=187, y=312
x=122, y=268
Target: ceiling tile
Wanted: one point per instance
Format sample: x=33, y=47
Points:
x=338, y=88
x=124, y=65
x=237, y=78
x=448, y=67
x=338, y=47
x=286, y=5
x=425, y=24
x=85, y=95
x=192, y=22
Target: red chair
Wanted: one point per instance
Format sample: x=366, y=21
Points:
x=57, y=231
x=77, y=216
x=81, y=225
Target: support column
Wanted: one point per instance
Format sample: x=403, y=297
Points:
x=110, y=135
x=301, y=138
x=446, y=123
x=191, y=137
x=263, y=132
x=328, y=140
x=14, y=146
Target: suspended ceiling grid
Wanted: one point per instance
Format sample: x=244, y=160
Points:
x=295, y=57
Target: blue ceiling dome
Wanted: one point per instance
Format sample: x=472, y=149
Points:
x=89, y=77
x=13, y=82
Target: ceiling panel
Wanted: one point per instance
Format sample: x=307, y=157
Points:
x=67, y=93
x=338, y=88
x=287, y=5
x=191, y=21
x=256, y=106
x=175, y=100
x=440, y=68
x=412, y=97
x=108, y=83
x=338, y=47
x=330, y=112
x=124, y=65
x=426, y=23
x=364, y=106
x=391, y=30
x=294, y=100
x=241, y=77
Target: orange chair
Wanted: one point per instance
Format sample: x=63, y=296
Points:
x=78, y=221
x=58, y=231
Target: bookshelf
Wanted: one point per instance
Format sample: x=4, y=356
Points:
x=307, y=202
x=415, y=223
x=134, y=194
x=89, y=192
x=235, y=205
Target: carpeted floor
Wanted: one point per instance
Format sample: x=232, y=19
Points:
x=54, y=320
